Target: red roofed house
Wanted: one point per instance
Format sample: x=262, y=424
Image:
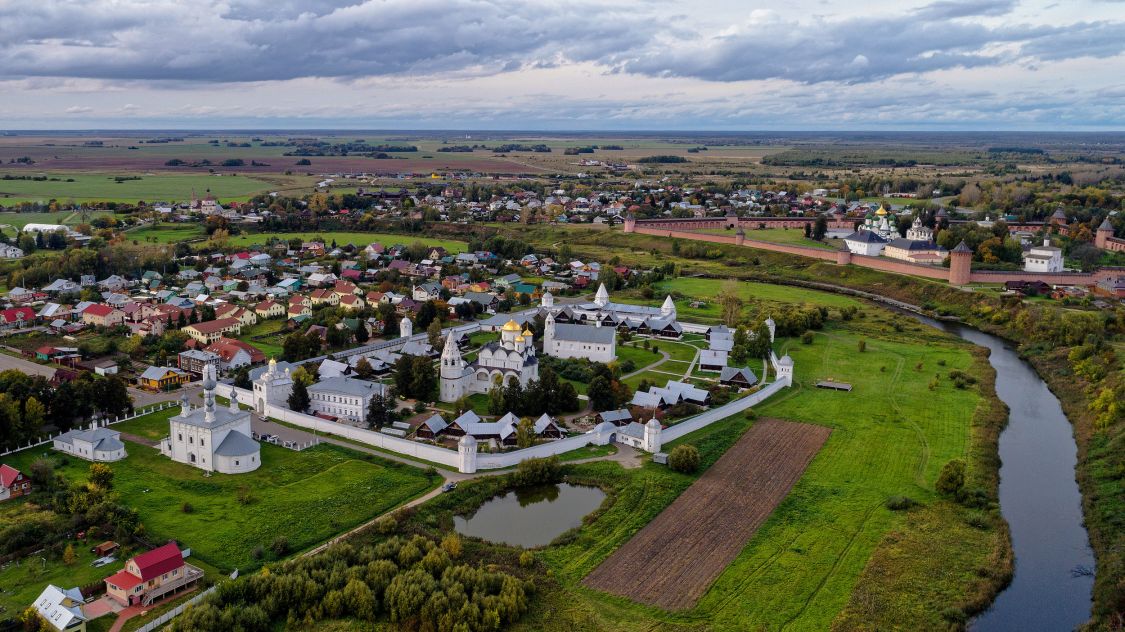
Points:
x=13, y=483
x=151, y=576
x=17, y=316
x=269, y=309
x=100, y=315
x=235, y=353
x=211, y=330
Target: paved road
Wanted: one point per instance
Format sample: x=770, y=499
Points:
x=25, y=366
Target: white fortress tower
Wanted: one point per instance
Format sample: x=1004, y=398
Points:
x=547, y=300
x=405, y=327
x=785, y=370
x=467, y=454
x=651, y=441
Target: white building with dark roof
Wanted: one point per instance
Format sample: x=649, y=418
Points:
x=343, y=397
x=212, y=438
x=593, y=342
x=1045, y=258
x=865, y=242
x=101, y=445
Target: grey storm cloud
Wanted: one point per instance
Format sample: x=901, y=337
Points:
x=228, y=41
x=934, y=37
x=258, y=40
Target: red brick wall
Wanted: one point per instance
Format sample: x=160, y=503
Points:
x=891, y=265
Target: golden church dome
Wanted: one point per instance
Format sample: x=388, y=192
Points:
x=511, y=326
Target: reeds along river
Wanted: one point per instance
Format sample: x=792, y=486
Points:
x=1039, y=497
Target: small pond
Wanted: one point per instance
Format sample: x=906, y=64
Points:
x=531, y=516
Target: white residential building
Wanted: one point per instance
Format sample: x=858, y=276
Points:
x=343, y=397
x=1045, y=258
x=62, y=608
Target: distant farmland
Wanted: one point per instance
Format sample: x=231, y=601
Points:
x=98, y=187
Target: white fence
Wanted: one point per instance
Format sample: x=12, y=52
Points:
x=598, y=436
x=709, y=417
x=105, y=422
x=484, y=461
x=174, y=612
x=405, y=447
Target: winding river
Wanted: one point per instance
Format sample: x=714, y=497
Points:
x=1039, y=498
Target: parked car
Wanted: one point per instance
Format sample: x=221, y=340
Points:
x=448, y=487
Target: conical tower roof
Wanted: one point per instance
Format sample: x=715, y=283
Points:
x=1105, y=225
x=963, y=247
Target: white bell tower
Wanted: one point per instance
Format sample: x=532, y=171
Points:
x=452, y=371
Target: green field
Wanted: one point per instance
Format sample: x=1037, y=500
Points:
x=757, y=298
x=800, y=569
x=167, y=233
x=307, y=497
x=790, y=236
x=99, y=187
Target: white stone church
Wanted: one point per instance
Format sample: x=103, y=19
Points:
x=513, y=356
x=212, y=438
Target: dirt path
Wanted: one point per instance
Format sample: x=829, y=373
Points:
x=672, y=561
x=665, y=357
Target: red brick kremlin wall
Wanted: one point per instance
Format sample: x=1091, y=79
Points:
x=875, y=263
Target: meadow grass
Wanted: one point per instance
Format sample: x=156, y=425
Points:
x=789, y=236
x=91, y=187
x=306, y=497
x=800, y=569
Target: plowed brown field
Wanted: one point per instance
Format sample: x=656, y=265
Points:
x=672, y=561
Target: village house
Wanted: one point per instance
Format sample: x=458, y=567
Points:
x=325, y=297
x=16, y=317
x=13, y=483
x=351, y=302
x=98, y=315
x=269, y=309
x=210, y=331
x=162, y=378
x=245, y=317
x=234, y=353
x=195, y=360
x=61, y=608
x=151, y=576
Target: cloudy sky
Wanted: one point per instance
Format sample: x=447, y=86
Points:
x=574, y=64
